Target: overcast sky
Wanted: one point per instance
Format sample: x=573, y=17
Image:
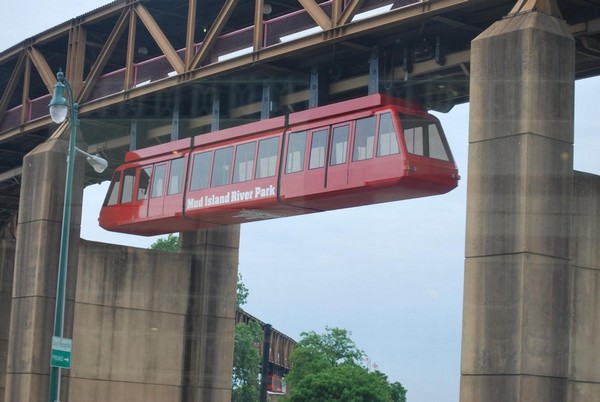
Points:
x=390, y=273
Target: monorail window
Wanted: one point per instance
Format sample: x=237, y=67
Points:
x=318, y=147
x=128, y=181
x=387, y=144
x=113, y=191
x=267, y=157
x=200, y=171
x=295, y=154
x=339, y=146
x=145, y=174
x=437, y=148
x=222, y=167
x=158, y=181
x=424, y=138
x=414, y=140
x=364, y=139
x=176, y=176
x=244, y=162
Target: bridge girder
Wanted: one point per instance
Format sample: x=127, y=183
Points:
x=118, y=47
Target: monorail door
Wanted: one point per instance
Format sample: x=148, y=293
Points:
x=328, y=159
x=157, y=190
x=337, y=169
x=315, y=180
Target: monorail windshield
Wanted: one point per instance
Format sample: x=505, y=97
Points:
x=425, y=138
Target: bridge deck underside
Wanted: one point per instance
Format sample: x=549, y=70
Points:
x=163, y=66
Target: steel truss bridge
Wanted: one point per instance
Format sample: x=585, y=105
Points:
x=146, y=72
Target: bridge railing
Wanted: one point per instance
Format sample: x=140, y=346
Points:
x=278, y=30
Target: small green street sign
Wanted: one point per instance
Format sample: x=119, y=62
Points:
x=60, y=354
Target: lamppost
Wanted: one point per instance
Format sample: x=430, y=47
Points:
x=59, y=108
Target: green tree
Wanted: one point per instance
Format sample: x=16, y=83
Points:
x=246, y=362
x=242, y=292
x=169, y=243
x=398, y=392
x=317, y=352
x=328, y=367
x=246, y=356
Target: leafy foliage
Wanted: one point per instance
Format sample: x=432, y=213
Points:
x=246, y=361
x=398, y=392
x=242, y=292
x=316, y=353
x=328, y=367
x=169, y=243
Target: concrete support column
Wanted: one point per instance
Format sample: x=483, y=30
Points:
x=211, y=313
x=584, y=370
x=518, y=265
x=36, y=265
x=7, y=263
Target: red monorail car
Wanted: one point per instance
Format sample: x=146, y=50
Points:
x=357, y=152
x=275, y=384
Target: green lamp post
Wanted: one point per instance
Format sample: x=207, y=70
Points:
x=59, y=108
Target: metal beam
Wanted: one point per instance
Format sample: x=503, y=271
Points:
x=268, y=103
x=130, y=52
x=375, y=71
x=15, y=77
x=60, y=130
x=257, y=38
x=9, y=174
x=336, y=11
x=31, y=126
x=457, y=24
x=591, y=27
x=133, y=136
x=160, y=38
x=543, y=6
x=452, y=59
x=392, y=18
x=213, y=33
x=42, y=68
x=216, y=111
x=107, y=50
x=190, y=32
x=316, y=13
x=349, y=12
x=47, y=36
x=110, y=144
x=317, y=87
x=76, y=57
x=175, y=122
x=25, y=93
